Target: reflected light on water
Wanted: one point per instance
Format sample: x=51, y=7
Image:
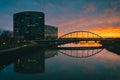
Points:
x=82, y=44
x=82, y=49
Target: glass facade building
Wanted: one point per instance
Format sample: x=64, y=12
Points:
x=29, y=25
x=51, y=32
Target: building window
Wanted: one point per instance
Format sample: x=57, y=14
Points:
x=40, y=17
x=29, y=25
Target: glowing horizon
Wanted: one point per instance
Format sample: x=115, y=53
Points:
x=105, y=32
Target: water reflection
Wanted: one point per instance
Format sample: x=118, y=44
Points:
x=33, y=63
x=28, y=62
x=50, y=53
x=7, y=59
x=33, y=60
x=81, y=49
x=81, y=52
x=43, y=64
x=82, y=44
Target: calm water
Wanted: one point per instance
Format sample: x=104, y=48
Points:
x=42, y=64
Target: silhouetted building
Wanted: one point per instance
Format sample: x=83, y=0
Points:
x=29, y=25
x=51, y=32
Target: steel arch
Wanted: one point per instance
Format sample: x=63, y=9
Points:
x=88, y=32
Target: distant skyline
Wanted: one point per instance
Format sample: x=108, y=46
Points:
x=68, y=15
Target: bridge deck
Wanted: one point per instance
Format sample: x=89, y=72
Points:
x=69, y=40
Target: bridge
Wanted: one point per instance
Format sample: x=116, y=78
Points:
x=75, y=36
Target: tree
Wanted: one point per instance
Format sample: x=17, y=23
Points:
x=6, y=34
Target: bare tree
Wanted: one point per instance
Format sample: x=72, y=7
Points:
x=6, y=34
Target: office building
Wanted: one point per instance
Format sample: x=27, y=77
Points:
x=29, y=25
x=51, y=32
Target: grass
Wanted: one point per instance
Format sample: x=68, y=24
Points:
x=8, y=46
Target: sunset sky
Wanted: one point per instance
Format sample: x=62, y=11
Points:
x=99, y=16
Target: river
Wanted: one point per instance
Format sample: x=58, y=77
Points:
x=53, y=64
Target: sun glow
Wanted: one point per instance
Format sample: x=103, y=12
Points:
x=83, y=44
x=107, y=32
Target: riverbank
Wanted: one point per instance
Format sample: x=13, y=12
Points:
x=19, y=48
x=114, y=47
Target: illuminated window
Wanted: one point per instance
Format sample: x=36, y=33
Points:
x=31, y=25
x=40, y=17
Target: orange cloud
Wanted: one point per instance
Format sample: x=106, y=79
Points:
x=107, y=32
x=92, y=23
